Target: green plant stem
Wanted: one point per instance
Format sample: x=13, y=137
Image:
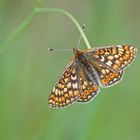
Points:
x=25, y=24
x=44, y=10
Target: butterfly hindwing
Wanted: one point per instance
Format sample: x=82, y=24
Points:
x=66, y=90
x=108, y=77
x=88, y=88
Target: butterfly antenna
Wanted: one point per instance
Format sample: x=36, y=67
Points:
x=78, y=43
x=58, y=50
x=61, y=49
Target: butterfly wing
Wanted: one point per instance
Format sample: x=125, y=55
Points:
x=88, y=88
x=66, y=90
x=116, y=57
x=107, y=76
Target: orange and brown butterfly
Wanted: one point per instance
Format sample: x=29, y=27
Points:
x=88, y=71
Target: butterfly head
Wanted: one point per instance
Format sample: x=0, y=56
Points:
x=77, y=51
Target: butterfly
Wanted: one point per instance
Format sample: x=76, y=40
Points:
x=88, y=71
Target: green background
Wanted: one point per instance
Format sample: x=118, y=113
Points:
x=28, y=71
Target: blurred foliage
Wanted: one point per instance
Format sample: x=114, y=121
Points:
x=28, y=72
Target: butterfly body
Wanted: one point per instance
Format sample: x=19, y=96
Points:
x=83, y=63
x=88, y=71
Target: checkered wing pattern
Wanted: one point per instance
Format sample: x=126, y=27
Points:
x=116, y=57
x=88, y=88
x=66, y=90
x=107, y=76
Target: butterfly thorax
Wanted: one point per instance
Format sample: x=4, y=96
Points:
x=77, y=52
x=80, y=56
x=88, y=69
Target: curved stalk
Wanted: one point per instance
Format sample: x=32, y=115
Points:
x=25, y=24
x=75, y=22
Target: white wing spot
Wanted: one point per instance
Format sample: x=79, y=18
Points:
x=121, y=49
x=65, y=89
x=103, y=71
x=85, y=83
x=59, y=92
x=114, y=79
x=69, y=85
x=109, y=63
x=75, y=86
x=107, y=71
x=110, y=57
x=84, y=87
x=116, y=56
x=119, y=46
x=102, y=59
x=73, y=78
x=56, y=91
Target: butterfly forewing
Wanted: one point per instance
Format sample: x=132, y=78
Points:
x=66, y=90
x=116, y=57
